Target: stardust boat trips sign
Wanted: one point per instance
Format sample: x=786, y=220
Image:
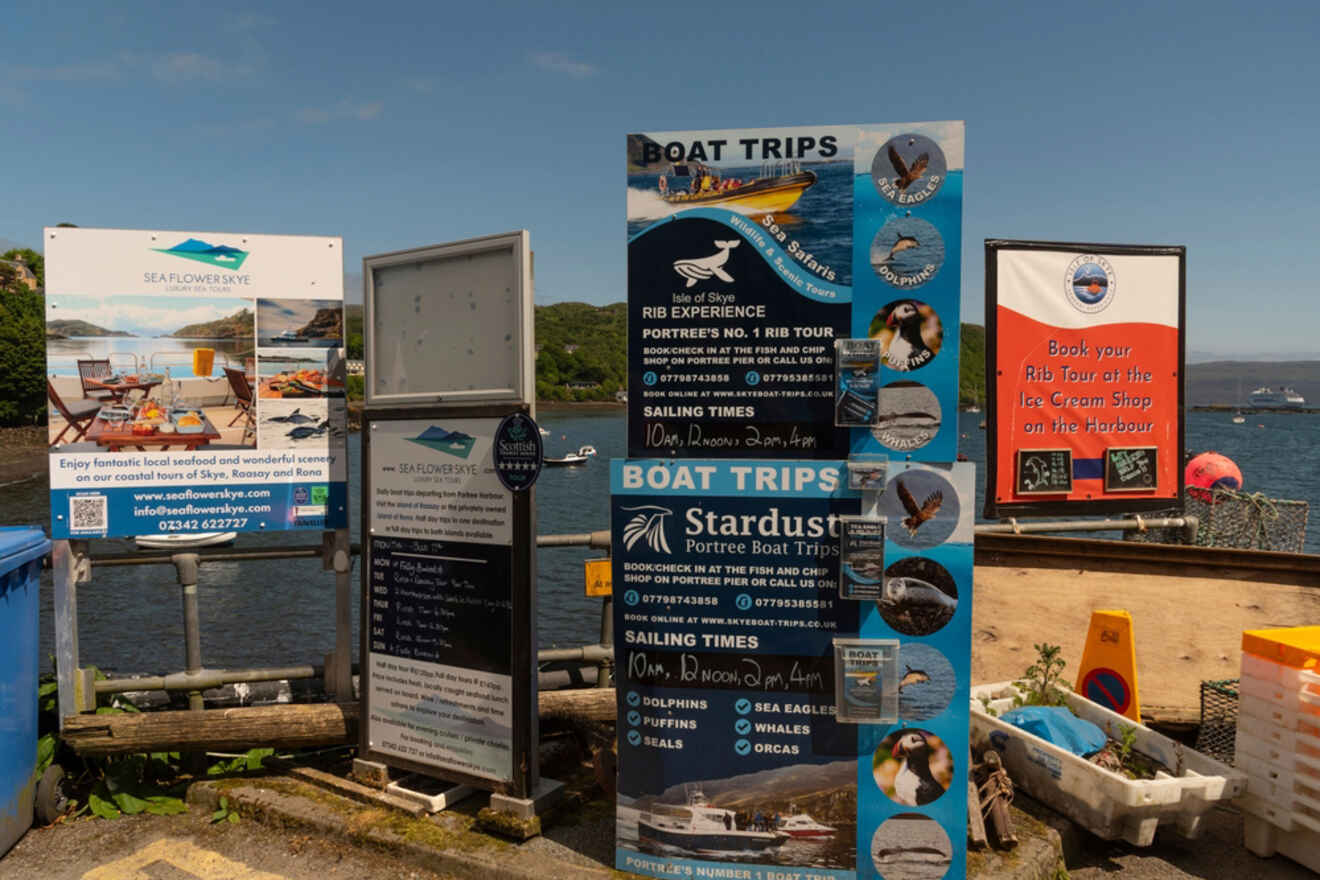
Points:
x=752, y=252
x=733, y=756
x=196, y=382
x=1086, y=377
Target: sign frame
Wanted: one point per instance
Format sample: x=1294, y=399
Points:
x=522, y=668
x=522, y=389
x=1103, y=506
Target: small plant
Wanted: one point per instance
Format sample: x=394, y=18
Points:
x=1127, y=737
x=1040, y=683
x=224, y=813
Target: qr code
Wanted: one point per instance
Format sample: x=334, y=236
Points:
x=87, y=513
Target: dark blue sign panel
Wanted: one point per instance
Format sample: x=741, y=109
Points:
x=517, y=452
x=752, y=252
x=727, y=606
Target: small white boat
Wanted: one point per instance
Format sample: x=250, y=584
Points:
x=287, y=336
x=1238, y=419
x=582, y=456
x=181, y=541
x=544, y=432
x=802, y=825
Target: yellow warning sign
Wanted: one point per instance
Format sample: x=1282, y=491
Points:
x=1108, y=673
x=600, y=581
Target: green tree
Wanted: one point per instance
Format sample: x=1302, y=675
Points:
x=33, y=260
x=22, y=356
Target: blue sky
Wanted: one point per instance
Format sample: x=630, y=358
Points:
x=403, y=124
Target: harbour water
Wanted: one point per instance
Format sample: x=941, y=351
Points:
x=278, y=613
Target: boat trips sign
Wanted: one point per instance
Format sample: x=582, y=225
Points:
x=790, y=291
x=196, y=382
x=769, y=727
x=1085, y=379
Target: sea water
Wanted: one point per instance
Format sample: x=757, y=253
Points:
x=282, y=612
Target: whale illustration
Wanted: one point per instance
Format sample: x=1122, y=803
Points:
x=701, y=269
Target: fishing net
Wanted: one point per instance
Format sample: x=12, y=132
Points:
x=1228, y=518
x=1219, y=713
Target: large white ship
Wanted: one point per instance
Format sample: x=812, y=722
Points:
x=1266, y=397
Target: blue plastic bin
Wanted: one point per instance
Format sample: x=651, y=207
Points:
x=21, y=550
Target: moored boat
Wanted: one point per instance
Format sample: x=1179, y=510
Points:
x=582, y=456
x=801, y=825
x=699, y=827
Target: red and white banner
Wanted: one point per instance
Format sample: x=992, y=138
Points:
x=1086, y=367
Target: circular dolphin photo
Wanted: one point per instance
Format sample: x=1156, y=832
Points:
x=910, y=846
x=919, y=596
x=922, y=507
x=926, y=682
x=907, y=416
x=909, y=169
x=907, y=252
x=912, y=767
x=910, y=334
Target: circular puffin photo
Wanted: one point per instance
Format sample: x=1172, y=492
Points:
x=912, y=767
x=910, y=334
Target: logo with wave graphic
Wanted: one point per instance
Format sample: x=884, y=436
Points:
x=647, y=524
x=1089, y=283
x=204, y=252
x=455, y=443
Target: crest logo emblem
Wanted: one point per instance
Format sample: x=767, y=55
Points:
x=1090, y=283
x=647, y=524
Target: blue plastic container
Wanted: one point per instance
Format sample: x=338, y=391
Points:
x=21, y=550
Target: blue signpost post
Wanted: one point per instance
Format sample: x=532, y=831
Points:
x=792, y=543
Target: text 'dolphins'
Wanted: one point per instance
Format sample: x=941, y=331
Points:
x=706, y=267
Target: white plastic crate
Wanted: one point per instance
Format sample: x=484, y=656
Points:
x=1303, y=697
x=1268, y=670
x=1107, y=804
x=1272, y=713
x=1304, y=740
x=1265, y=838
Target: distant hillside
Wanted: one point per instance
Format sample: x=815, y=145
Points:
x=326, y=324
x=598, y=337
x=971, y=366
x=1230, y=382
x=236, y=325
x=64, y=328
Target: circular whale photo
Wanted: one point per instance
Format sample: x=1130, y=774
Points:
x=910, y=334
x=922, y=507
x=907, y=252
x=907, y=416
x=919, y=596
x=926, y=682
x=912, y=767
x=910, y=846
x=909, y=169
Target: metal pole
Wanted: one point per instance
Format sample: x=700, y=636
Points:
x=606, y=641
x=66, y=625
x=186, y=565
x=339, y=672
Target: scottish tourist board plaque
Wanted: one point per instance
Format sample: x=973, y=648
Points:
x=196, y=382
x=1084, y=354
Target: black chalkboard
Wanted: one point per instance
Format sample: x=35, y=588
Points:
x=1131, y=468
x=1044, y=471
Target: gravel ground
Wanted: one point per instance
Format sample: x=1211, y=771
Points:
x=176, y=847
x=1218, y=854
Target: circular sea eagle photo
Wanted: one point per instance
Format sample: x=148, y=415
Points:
x=907, y=252
x=919, y=597
x=910, y=334
x=912, y=767
x=922, y=507
x=909, y=169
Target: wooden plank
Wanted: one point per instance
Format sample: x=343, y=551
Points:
x=288, y=726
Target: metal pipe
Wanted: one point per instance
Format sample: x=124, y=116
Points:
x=599, y=539
x=588, y=653
x=1085, y=525
x=186, y=565
x=205, y=679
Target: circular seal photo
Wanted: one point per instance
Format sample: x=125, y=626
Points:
x=907, y=416
x=908, y=169
x=919, y=597
x=907, y=252
x=922, y=507
x=910, y=846
x=1089, y=283
x=912, y=767
x=910, y=334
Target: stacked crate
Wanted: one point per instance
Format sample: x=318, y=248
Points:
x=1278, y=742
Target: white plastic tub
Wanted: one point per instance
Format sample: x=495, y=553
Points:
x=1107, y=804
